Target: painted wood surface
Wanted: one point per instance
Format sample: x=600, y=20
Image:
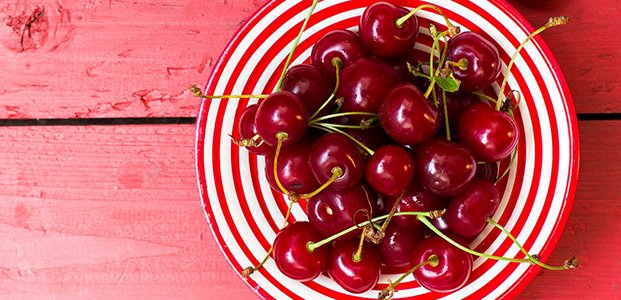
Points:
x=113, y=58
x=112, y=212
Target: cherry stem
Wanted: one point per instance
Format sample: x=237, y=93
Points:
x=251, y=142
x=427, y=223
x=403, y=19
x=511, y=162
x=336, y=173
x=346, y=126
x=393, y=210
x=462, y=64
x=434, y=214
x=446, y=118
x=295, y=44
x=337, y=63
x=389, y=291
x=197, y=92
x=569, y=264
x=555, y=21
x=248, y=271
x=331, y=128
x=433, y=73
x=343, y=114
x=281, y=137
x=357, y=257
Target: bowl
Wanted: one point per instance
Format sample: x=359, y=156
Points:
x=245, y=214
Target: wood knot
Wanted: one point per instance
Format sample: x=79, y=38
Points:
x=30, y=30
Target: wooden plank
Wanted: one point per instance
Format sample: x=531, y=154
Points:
x=585, y=48
x=112, y=212
x=106, y=213
x=112, y=58
x=136, y=58
x=592, y=233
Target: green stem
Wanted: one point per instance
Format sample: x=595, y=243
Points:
x=330, y=127
x=485, y=96
x=446, y=118
x=336, y=173
x=435, y=72
x=311, y=246
x=343, y=114
x=424, y=220
x=511, y=162
x=344, y=126
x=281, y=137
x=403, y=19
x=551, y=23
x=336, y=62
x=197, y=92
x=530, y=257
x=295, y=44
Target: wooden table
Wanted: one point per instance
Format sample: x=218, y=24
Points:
x=98, y=193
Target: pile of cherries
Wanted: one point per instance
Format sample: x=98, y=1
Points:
x=395, y=155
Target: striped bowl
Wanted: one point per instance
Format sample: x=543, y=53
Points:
x=245, y=214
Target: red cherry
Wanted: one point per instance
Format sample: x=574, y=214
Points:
x=452, y=271
x=483, y=60
x=381, y=34
x=492, y=135
x=291, y=255
x=354, y=276
x=390, y=170
x=468, y=211
x=281, y=112
x=247, y=130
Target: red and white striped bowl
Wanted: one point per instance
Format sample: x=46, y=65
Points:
x=245, y=214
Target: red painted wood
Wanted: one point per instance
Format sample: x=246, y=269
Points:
x=110, y=58
x=113, y=212
x=136, y=58
x=106, y=213
x=586, y=48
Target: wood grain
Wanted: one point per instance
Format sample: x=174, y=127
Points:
x=112, y=212
x=585, y=48
x=106, y=213
x=110, y=58
x=113, y=58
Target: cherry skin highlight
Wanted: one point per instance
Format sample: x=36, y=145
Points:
x=291, y=255
x=311, y=84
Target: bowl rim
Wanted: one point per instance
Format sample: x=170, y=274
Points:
x=574, y=141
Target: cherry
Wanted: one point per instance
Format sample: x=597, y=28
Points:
x=248, y=132
x=342, y=44
x=365, y=84
x=333, y=151
x=450, y=273
x=292, y=256
x=416, y=198
x=492, y=135
x=311, y=84
x=332, y=211
x=468, y=211
x=483, y=60
x=381, y=34
x=281, y=112
x=397, y=245
x=293, y=170
x=406, y=115
x=390, y=170
x=355, y=275
x=445, y=168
